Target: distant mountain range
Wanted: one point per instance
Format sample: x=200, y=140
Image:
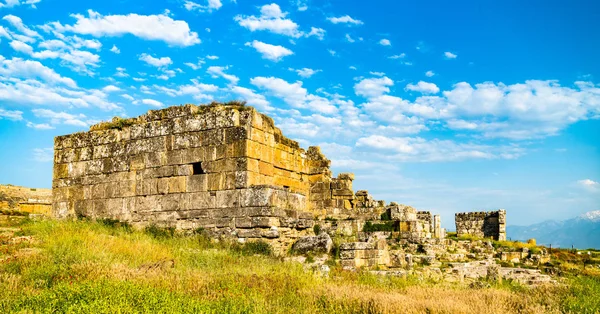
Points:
x=582, y=232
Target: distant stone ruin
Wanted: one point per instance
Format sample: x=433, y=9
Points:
x=482, y=224
x=226, y=170
x=23, y=199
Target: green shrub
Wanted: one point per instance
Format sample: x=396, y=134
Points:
x=115, y=223
x=259, y=247
x=386, y=216
x=160, y=232
x=317, y=229
x=386, y=226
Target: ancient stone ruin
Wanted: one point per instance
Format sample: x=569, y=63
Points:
x=482, y=224
x=227, y=171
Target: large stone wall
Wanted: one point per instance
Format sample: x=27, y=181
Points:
x=490, y=224
x=34, y=201
x=225, y=169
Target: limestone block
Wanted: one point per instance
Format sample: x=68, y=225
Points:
x=146, y=204
x=171, y=202
x=249, y=233
x=263, y=212
x=201, y=200
x=224, y=222
x=270, y=233
x=228, y=198
x=177, y=184
x=243, y=222
x=137, y=162
x=174, y=157
x=241, y=179
x=356, y=246
x=216, y=181
x=154, y=159
x=264, y=222
x=146, y=187
x=235, y=134
x=97, y=191
x=256, y=197
x=183, y=170
x=195, y=214
x=321, y=243
x=197, y=183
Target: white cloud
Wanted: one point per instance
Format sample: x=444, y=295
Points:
x=150, y=27
x=61, y=117
x=152, y=102
x=294, y=94
x=270, y=52
x=589, y=185
x=385, y=42
x=39, y=126
x=306, y=72
x=43, y=154
x=128, y=97
x=373, y=87
x=212, y=57
x=14, y=115
x=352, y=67
x=17, y=23
x=217, y=71
x=156, y=62
x=349, y=38
x=212, y=5
x=19, y=68
x=429, y=73
x=331, y=52
x=271, y=19
x=423, y=87
x=449, y=55
x=416, y=149
x=111, y=88
x=115, y=49
x=195, y=66
x=121, y=72
x=346, y=19
x=377, y=73
x=317, y=32
x=252, y=98
x=14, y=3
x=400, y=56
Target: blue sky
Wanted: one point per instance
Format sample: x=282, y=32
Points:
x=446, y=106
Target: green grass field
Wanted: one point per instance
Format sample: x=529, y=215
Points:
x=95, y=267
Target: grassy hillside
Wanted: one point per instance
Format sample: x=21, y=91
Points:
x=95, y=267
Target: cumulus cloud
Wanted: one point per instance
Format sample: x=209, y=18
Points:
x=211, y=5
x=252, y=98
x=39, y=126
x=449, y=55
x=294, y=94
x=416, y=149
x=271, y=19
x=385, y=42
x=270, y=52
x=589, y=185
x=429, y=73
x=61, y=117
x=149, y=27
x=305, y=72
x=14, y=3
x=14, y=115
x=373, y=87
x=155, y=62
x=19, y=68
x=317, y=32
x=346, y=19
x=217, y=71
x=395, y=57
x=520, y=111
x=152, y=102
x=115, y=49
x=423, y=87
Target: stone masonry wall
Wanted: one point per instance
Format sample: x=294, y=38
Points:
x=490, y=224
x=225, y=169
